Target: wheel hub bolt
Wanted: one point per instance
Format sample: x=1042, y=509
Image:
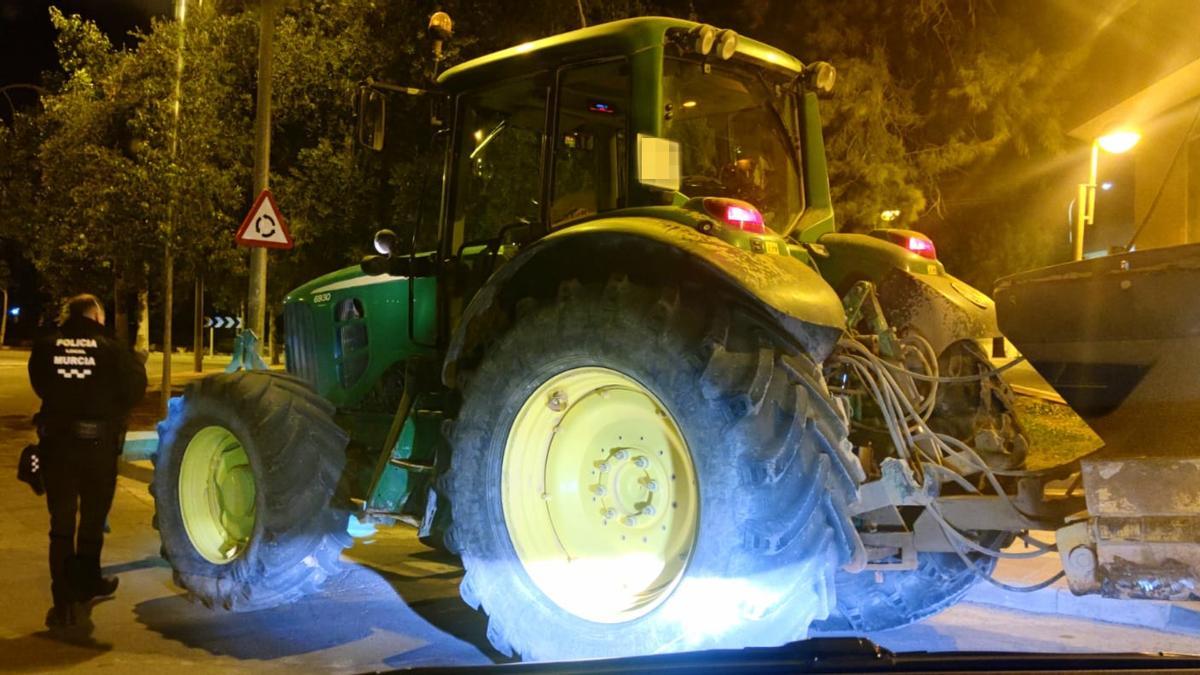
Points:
x=610, y=513
x=558, y=401
x=652, y=485
x=649, y=510
x=641, y=463
x=603, y=467
x=621, y=454
x=630, y=521
x=599, y=490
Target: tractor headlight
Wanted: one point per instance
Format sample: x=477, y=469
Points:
x=703, y=39
x=821, y=75
x=726, y=44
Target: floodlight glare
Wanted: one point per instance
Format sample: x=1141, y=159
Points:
x=1119, y=141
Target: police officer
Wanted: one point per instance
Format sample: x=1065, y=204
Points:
x=88, y=384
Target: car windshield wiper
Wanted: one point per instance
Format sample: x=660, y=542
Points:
x=488, y=139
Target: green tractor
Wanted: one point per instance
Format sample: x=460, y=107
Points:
x=640, y=386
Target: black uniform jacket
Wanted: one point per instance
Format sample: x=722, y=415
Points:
x=83, y=376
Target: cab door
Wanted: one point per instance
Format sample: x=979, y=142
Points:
x=496, y=203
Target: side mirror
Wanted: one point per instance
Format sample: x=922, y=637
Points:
x=372, y=117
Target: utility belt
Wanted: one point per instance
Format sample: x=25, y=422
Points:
x=79, y=430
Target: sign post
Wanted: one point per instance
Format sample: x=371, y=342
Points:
x=256, y=298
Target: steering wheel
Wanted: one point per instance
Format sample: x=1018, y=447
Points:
x=703, y=186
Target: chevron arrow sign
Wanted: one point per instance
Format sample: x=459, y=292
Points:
x=222, y=322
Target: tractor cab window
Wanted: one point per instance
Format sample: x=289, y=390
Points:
x=589, y=152
x=498, y=167
x=735, y=131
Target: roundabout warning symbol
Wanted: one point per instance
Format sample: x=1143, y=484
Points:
x=264, y=225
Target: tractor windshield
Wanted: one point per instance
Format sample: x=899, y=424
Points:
x=735, y=130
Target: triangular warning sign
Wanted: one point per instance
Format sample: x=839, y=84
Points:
x=264, y=225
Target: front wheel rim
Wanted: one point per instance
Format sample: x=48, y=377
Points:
x=217, y=495
x=599, y=494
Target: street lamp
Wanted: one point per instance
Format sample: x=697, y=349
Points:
x=4, y=315
x=1115, y=143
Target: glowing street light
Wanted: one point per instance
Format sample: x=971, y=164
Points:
x=1119, y=141
x=1115, y=142
x=889, y=215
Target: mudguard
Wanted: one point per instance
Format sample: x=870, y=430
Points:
x=914, y=291
x=944, y=309
x=783, y=287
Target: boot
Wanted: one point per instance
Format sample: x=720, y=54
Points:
x=105, y=587
x=100, y=587
x=88, y=582
x=72, y=621
x=61, y=616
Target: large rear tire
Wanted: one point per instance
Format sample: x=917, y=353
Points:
x=896, y=599
x=243, y=483
x=577, y=410
x=969, y=412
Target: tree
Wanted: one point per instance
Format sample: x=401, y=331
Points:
x=925, y=90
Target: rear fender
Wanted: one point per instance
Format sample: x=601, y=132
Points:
x=915, y=292
x=779, y=286
x=943, y=309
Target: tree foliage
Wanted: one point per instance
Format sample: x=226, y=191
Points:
x=926, y=90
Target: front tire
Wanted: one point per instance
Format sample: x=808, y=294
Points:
x=757, y=518
x=243, y=483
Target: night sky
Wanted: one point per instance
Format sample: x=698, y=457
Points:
x=27, y=38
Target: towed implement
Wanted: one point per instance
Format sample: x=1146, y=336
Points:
x=1117, y=337
x=629, y=373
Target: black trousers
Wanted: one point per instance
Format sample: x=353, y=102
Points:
x=80, y=477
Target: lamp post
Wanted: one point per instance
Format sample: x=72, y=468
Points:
x=1114, y=143
x=4, y=316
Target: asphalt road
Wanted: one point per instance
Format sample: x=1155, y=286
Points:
x=396, y=606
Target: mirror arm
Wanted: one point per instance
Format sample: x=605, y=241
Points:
x=381, y=85
x=402, y=266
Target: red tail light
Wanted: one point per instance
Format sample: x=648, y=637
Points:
x=735, y=213
x=915, y=242
x=923, y=247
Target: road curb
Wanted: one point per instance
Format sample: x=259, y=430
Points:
x=1176, y=617
x=141, y=470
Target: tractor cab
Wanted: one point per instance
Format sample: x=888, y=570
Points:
x=649, y=113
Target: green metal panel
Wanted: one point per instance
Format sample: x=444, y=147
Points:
x=385, y=304
x=646, y=67
x=392, y=489
x=817, y=219
x=854, y=257
x=914, y=291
